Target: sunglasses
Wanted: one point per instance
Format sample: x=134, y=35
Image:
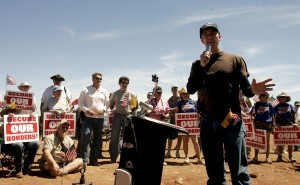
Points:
x=125, y=83
x=98, y=78
x=65, y=127
x=25, y=86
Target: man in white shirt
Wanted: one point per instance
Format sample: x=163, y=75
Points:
x=93, y=101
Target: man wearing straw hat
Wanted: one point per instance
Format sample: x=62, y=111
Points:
x=22, y=162
x=285, y=116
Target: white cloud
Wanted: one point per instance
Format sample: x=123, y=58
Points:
x=101, y=36
x=68, y=30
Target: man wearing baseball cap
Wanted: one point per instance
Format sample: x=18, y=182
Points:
x=57, y=80
x=59, y=154
x=218, y=77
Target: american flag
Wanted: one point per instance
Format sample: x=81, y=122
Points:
x=10, y=80
x=70, y=154
x=125, y=100
x=235, y=118
x=273, y=101
x=256, y=98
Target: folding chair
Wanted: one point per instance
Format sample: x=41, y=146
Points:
x=6, y=157
x=122, y=177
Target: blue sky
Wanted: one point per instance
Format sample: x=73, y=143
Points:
x=139, y=38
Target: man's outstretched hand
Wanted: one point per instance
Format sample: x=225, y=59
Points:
x=261, y=87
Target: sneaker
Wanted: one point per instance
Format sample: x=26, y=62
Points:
x=168, y=155
x=177, y=155
x=194, y=156
x=279, y=159
x=292, y=159
x=268, y=160
x=165, y=164
x=19, y=174
x=187, y=161
x=254, y=160
x=202, y=162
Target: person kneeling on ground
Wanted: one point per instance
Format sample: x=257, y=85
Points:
x=59, y=154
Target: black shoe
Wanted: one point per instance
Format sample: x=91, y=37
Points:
x=26, y=170
x=101, y=156
x=95, y=163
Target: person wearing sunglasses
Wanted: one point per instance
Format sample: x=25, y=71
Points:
x=59, y=154
x=93, y=101
x=119, y=103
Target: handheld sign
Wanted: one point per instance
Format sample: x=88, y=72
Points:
x=22, y=100
x=51, y=121
x=20, y=128
x=189, y=121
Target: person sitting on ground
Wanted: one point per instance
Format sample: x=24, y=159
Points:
x=59, y=153
x=22, y=162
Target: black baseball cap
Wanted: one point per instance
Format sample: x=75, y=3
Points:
x=209, y=25
x=158, y=89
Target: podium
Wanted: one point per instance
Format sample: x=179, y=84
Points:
x=143, y=149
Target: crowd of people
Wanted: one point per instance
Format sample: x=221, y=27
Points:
x=218, y=77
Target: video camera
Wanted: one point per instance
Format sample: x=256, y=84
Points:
x=154, y=78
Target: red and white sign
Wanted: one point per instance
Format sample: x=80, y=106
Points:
x=23, y=100
x=248, y=127
x=287, y=135
x=189, y=121
x=52, y=120
x=20, y=128
x=259, y=141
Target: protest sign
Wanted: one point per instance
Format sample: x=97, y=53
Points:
x=51, y=121
x=287, y=135
x=259, y=141
x=248, y=127
x=20, y=128
x=189, y=121
x=22, y=100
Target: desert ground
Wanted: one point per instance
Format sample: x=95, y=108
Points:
x=176, y=172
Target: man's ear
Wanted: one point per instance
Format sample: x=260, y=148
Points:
x=201, y=40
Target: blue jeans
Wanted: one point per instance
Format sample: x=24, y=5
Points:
x=91, y=137
x=215, y=141
x=20, y=160
x=117, y=133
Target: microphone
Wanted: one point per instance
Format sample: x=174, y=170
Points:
x=207, y=47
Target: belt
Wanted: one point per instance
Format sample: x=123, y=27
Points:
x=120, y=114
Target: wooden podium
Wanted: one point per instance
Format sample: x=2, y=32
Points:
x=143, y=149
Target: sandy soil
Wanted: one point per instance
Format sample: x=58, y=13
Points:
x=174, y=173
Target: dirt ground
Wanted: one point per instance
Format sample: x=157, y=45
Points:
x=174, y=173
